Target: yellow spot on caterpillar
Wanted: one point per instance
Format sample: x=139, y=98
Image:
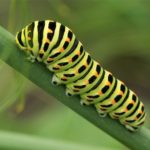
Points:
x=108, y=83
x=113, y=101
x=49, y=59
x=47, y=41
x=86, y=82
x=132, y=102
x=76, y=72
x=49, y=31
x=78, y=53
x=62, y=49
x=64, y=78
x=96, y=74
x=85, y=64
x=120, y=93
x=126, y=110
x=99, y=92
x=41, y=51
x=69, y=59
x=135, y=118
x=68, y=39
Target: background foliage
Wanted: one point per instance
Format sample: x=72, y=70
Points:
x=115, y=32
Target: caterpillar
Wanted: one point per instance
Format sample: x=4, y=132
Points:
x=57, y=47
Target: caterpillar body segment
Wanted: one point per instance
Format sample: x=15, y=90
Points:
x=75, y=72
x=86, y=82
x=56, y=46
x=103, y=87
x=68, y=60
x=116, y=97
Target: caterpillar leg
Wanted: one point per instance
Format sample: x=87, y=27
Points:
x=101, y=113
x=130, y=128
x=68, y=92
x=55, y=80
x=30, y=58
x=83, y=102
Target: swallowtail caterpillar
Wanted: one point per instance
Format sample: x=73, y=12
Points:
x=56, y=46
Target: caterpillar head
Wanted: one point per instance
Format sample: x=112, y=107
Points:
x=21, y=40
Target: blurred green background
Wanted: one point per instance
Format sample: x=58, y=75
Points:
x=116, y=33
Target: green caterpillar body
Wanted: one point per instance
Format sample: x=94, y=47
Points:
x=57, y=47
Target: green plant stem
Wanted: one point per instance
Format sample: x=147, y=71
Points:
x=38, y=74
x=18, y=141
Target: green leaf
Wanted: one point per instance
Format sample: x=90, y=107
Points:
x=39, y=75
